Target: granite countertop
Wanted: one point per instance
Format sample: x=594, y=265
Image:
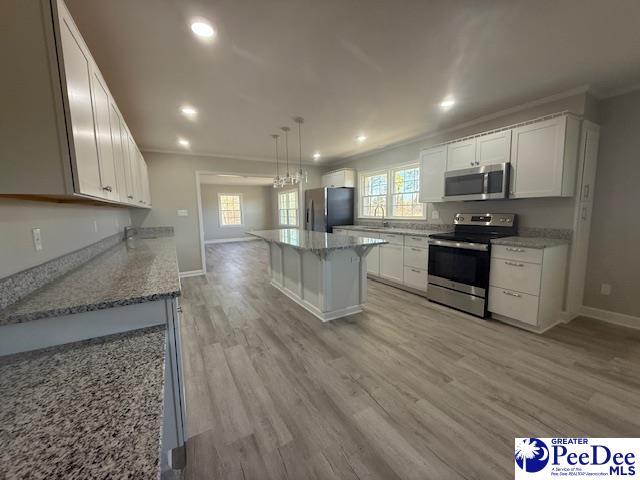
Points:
x=90, y=409
x=314, y=241
x=403, y=231
x=136, y=271
x=530, y=242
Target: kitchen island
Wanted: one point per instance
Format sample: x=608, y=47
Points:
x=324, y=273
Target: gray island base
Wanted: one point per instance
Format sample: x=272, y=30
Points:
x=324, y=273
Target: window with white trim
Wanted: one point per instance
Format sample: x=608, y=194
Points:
x=288, y=208
x=395, y=190
x=230, y=209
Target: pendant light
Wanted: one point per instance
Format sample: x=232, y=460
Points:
x=288, y=179
x=276, y=180
x=301, y=175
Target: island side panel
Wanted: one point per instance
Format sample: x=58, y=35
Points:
x=312, y=279
x=275, y=252
x=343, y=282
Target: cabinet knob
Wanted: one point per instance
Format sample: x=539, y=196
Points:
x=130, y=197
x=107, y=188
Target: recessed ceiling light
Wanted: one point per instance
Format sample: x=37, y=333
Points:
x=183, y=142
x=361, y=138
x=316, y=156
x=188, y=111
x=447, y=103
x=203, y=29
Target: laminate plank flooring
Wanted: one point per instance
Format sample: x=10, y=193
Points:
x=404, y=390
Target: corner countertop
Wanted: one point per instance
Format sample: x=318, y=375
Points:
x=399, y=230
x=314, y=241
x=90, y=409
x=136, y=271
x=530, y=242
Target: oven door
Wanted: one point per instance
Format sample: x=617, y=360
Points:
x=481, y=183
x=459, y=266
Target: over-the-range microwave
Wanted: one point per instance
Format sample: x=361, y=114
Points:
x=479, y=183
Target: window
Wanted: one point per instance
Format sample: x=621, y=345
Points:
x=288, y=208
x=230, y=209
x=395, y=190
x=406, y=187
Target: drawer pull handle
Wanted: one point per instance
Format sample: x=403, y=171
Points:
x=416, y=249
x=511, y=294
x=511, y=249
x=415, y=271
x=514, y=264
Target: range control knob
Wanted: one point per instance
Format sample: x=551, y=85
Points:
x=460, y=218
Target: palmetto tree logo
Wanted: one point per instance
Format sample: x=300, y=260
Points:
x=532, y=454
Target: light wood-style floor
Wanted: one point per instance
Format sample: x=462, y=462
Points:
x=403, y=390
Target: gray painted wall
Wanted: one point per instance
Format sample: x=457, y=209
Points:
x=615, y=231
x=532, y=212
x=173, y=187
x=257, y=211
x=64, y=228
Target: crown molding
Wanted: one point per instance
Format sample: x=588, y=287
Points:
x=470, y=123
x=616, y=92
x=246, y=158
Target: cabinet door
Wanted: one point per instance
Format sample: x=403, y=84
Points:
x=391, y=262
x=145, y=181
x=433, y=163
x=461, y=155
x=536, y=159
x=77, y=70
x=102, y=114
x=373, y=261
x=333, y=179
x=134, y=172
x=493, y=148
x=118, y=153
x=126, y=162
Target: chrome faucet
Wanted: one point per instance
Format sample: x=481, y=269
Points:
x=375, y=214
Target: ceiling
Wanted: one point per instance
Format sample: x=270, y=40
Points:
x=225, y=179
x=378, y=67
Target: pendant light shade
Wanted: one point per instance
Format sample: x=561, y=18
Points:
x=301, y=175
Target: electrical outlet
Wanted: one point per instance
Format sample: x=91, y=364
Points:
x=183, y=213
x=605, y=289
x=435, y=215
x=95, y=226
x=37, y=239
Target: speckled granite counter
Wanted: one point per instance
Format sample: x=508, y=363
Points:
x=314, y=241
x=135, y=271
x=90, y=409
x=402, y=231
x=530, y=242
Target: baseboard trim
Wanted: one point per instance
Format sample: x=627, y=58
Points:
x=191, y=273
x=230, y=240
x=615, y=318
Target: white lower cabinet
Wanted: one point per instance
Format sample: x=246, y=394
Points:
x=526, y=285
x=415, y=278
x=373, y=261
x=391, y=262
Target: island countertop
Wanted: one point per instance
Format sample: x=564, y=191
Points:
x=314, y=241
x=90, y=409
x=135, y=271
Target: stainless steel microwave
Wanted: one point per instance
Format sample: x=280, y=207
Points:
x=480, y=183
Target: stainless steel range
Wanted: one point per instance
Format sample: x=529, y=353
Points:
x=459, y=261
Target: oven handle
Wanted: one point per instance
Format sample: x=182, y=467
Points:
x=464, y=245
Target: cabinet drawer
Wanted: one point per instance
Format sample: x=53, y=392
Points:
x=415, y=257
x=533, y=255
x=415, y=278
x=415, y=241
x=515, y=275
x=393, y=238
x=516, y=305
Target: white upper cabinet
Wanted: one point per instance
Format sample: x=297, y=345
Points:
x=544, y=158
x=101, y=107
x=77, y=71
x=433, y=163
x=118, y=154
x=345, y=177
x=461, y=154
x=493, y=148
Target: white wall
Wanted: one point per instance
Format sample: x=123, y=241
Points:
x=64, y=228
x=257, y=211
x=535, y=213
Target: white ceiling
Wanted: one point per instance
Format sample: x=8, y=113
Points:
x=378, y=67
x=224, y=179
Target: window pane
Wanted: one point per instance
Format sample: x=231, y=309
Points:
x=230, y=210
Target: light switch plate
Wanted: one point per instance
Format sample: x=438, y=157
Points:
x=183, y=213
x=435, y=215
x=605, y=289
x=37, y=239
x=95, y=226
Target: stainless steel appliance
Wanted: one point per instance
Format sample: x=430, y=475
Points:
x=328, y=207
x=459, y=261
x=478, y=183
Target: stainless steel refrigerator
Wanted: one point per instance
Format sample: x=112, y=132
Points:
x=328, y=207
